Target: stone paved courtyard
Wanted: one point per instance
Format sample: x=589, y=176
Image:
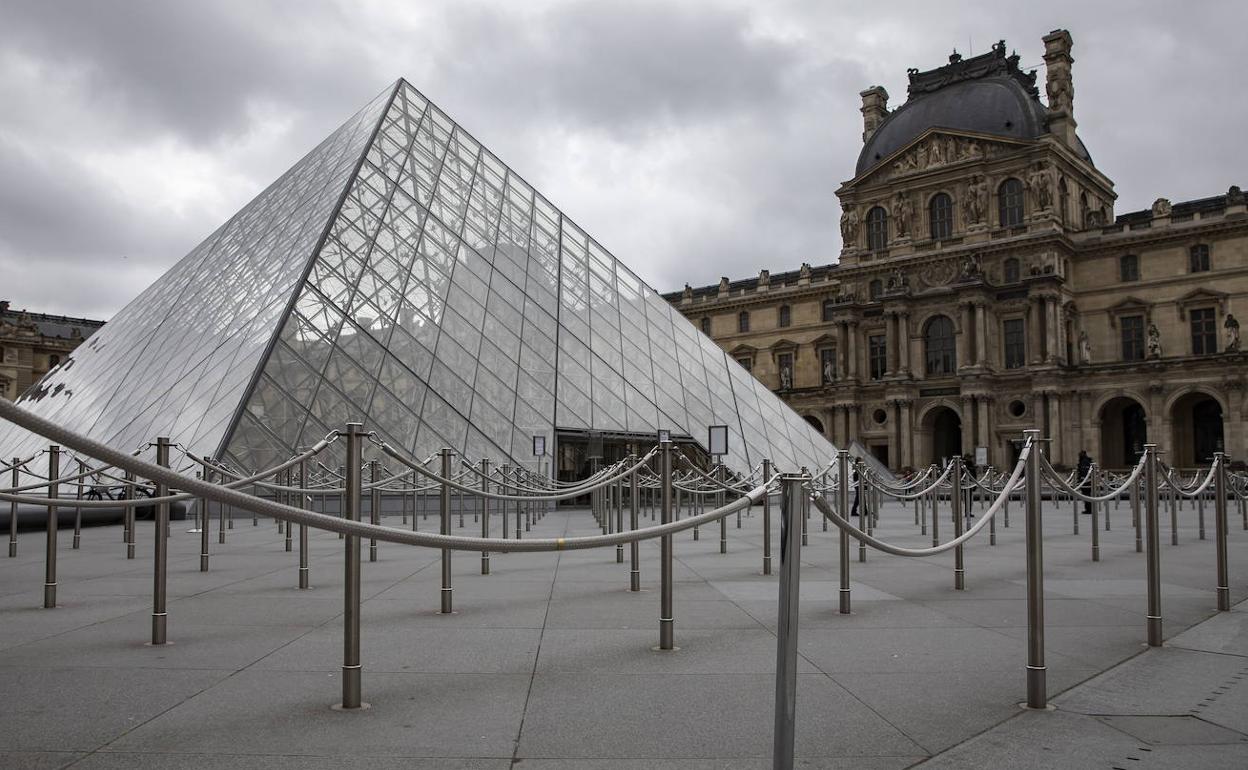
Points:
x=548, y=662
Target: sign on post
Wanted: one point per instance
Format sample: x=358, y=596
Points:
x=665, y=436
x=981, y=456
x=539, y=446
x=717, y=440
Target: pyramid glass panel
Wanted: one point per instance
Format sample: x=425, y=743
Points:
x=403, y=276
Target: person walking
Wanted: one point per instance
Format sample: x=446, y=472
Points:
x=968, y=487
x=1083, y=470
x=853, y=482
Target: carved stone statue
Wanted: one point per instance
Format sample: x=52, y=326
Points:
x=849, y=228
x=786, y=377
x=1154, y=341
x=897, y=280
x=975, y=202
x=723, y=284
x=1040, y=183
x=829, y=372
x=903, y=212
x=688, y=294
x=971, y=268
x=764, y=278
x=1085, y=348
x=1161, y=207
x=1232, y=333
x=1234, y=196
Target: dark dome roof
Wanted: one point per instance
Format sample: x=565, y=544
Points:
x=998, y=105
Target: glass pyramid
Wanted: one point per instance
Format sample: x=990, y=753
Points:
x=402, y=276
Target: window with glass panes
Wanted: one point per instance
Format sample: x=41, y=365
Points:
x=1132, y=328
x=1015, y=341
x=1129, y=268
x=706, y=326
x=786, y=315
x=1010, y=270
x=1010, y=202
x=743, y=322
x=1204, y=331
x=940, y=346
x=877, y=356
x=877, y=229
x=940, y=214
x=1198, y=258
x=829, y=307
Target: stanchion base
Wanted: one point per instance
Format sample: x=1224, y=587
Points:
x=657, y=648
x=345, y=710
x=1047, y=707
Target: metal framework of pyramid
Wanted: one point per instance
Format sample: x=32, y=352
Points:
x=401, y=275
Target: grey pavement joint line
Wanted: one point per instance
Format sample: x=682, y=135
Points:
x=537, y=654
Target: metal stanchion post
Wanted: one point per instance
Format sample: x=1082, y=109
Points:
x=204, y=526
x=161, y=550
x=793, y=502
x=49, y=575
x=288, y=477
x=17, y=475
x=842, y=466
x=1174, y=517
x=634, y=548
x=445, y=503
x=352, y=502
x=720, y=499
x=1135, y=515
x=1154, y=546
x=864, y=509
x=503, y=489
x=520, y=508
x=767, y=520
x=619, y=519
x=1219, y=530
x=1200, y=514
x=935, y=516
x=1037, y=695
x=304, y=581
x=667, y=619
x=1096, y=537
x=959, y=519
x=128, y=516
x=485, y=514
x=374, y=504
x=78, y=508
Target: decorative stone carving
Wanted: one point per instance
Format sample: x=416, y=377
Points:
x=975, y=200
x=1234, y=196
x=939, y=273
x=786, y=378
x=936, y=151
x=1161, y=207
x=971, y=268
x=688, y=293
x=1040, y=183
x=903, y=213
x=897, y=280
x=1085, y=348
x=829, y=371
x=805, y=271
x=764, y=278
x=849, y=228
x=1232, y=333
x=723, y=285
x=1154, y=341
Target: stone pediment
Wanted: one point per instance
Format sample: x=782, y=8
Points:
x=743, y=350
x=935, y=149
x=1201, y=296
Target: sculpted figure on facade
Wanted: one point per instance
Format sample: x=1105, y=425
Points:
x=1085, y=348
x=903, y=213
x=829, y=372
x=786, y=377
x=1154, y=341
x=1040, y=182
x=975, y=201
x=1161, y=207
x=849, y=228
x=1232, y=333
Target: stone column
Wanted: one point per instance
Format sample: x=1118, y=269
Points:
x=968, y=425
x=851, y=414
x=890, y=344
x=1057, y=447
x=852, y=327
x=903, y=334
x=984, y=432
x=981, y=335
x=1050, y=329
x=966, y=338
x=842, y=349
x=1035, y=317
x=1233, y=424
x=907, y=434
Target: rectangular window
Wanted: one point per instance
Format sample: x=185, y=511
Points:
x=747, y=363
x=706, y=326
x=827, y=365
x=743, y=322
x=786, y=316
x=1204, y=331
x=877, y=356
x=1015, y=343
x=828, y=308
x=1129, y=268
x=1199, y=258
x=1132, y=327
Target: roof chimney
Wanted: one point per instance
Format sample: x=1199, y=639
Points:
x=874, y=110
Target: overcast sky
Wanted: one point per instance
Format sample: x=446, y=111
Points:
x=692, y=139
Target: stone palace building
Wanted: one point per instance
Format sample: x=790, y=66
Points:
x=32, y=344
x=987, y=286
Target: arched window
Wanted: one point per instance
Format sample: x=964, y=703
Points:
x=786, y=316
x=1010, y=202
x=743, y=321
x=940, y=215
x=706, y=325
x=1128, y=268
x=877, y=229
x=939, y=346
x=875, y=289
x=1010, y=270
x=1063, y=200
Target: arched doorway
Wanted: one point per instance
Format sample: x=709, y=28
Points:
x=944, y=427
x=815, y=423
x=1124, y=432
x=1197, y=421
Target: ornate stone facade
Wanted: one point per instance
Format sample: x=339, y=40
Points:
x=31, y=344
x=985, y=286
